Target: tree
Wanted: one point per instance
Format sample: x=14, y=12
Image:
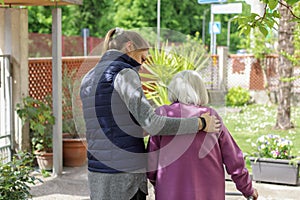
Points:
x=285, y=44
x=287, y=24
x=97, y=16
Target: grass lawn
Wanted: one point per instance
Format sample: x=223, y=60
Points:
x=247, y=123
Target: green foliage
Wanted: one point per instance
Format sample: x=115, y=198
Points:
x=14, y=177
x=45, y=173
x=68, y=125
x=193, y=53
x=183, y=16
x=100, y=16
x=262, y=46
x=39, y=19
x=254, y=20
x=134, y=14
x=168, y=61
x=237, y=96
x=40, y=118
x=161, y=68
x=97, y=16
x=73, y=122
x=268, y=20
x=273, y=146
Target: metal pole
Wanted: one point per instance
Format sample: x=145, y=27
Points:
x=85, y=35
x=212, y=35
x=56, y=90
x=215, y=44
x=84, y=42
x=203, y=26
x=158, y=24
x=228, y=31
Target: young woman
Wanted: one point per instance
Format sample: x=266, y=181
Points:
x=191, y=166
x=116, y=112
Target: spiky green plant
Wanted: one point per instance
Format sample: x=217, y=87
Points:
x=168, y=61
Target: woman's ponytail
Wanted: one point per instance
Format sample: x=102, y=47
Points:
x=108, y=38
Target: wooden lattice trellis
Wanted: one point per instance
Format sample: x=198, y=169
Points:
x=40, y=72
x=243, y=70
x=40, y=77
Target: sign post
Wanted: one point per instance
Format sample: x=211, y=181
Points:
x=85, y=32
x=212, y=35
x=229, y=8
x=214, y=29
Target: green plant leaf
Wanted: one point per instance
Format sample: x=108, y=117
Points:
x=40, y=118
x=263, y=30
x=166, y=62
x=291, y=2
x=15, y=175
x=273, y=4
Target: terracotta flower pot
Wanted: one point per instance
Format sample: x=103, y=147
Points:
x=74, y=152
x=44, y=160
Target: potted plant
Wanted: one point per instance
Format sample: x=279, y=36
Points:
x=74, y=142
x=40, y=118
x=274, y=162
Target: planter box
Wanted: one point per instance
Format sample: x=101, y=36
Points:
x=275, y=171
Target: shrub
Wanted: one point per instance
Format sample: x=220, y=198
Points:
x=14, y=177
x=39, y=115
x=237, y=96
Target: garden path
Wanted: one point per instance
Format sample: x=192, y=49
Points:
x=72, y=185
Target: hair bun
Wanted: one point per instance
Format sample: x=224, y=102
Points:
x=119, y=31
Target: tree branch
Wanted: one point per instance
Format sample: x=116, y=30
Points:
x=289, y=8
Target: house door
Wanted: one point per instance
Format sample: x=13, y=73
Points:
x=6, y=112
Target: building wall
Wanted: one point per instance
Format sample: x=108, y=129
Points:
x=14, y=42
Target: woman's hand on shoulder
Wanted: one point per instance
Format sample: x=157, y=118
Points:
x=209, y=123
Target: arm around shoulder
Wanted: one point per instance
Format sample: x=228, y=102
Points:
x=128, y=84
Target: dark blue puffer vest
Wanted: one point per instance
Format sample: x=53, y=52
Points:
x=115, y=141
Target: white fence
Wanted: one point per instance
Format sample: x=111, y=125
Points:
x=6, y=118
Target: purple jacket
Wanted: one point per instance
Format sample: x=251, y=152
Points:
x=192, y=166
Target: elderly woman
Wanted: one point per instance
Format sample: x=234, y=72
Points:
x=191, y=166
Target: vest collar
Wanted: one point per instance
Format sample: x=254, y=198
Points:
x=115, y=55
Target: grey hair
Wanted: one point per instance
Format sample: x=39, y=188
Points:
x=188, y=87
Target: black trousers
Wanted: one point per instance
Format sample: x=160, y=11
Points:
x=139, y=196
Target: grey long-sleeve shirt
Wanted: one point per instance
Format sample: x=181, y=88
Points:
x=127, y=83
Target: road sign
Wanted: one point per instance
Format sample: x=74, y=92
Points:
x=256, y=7
x=216, y=28
x=228, y=8
x=210, y=1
